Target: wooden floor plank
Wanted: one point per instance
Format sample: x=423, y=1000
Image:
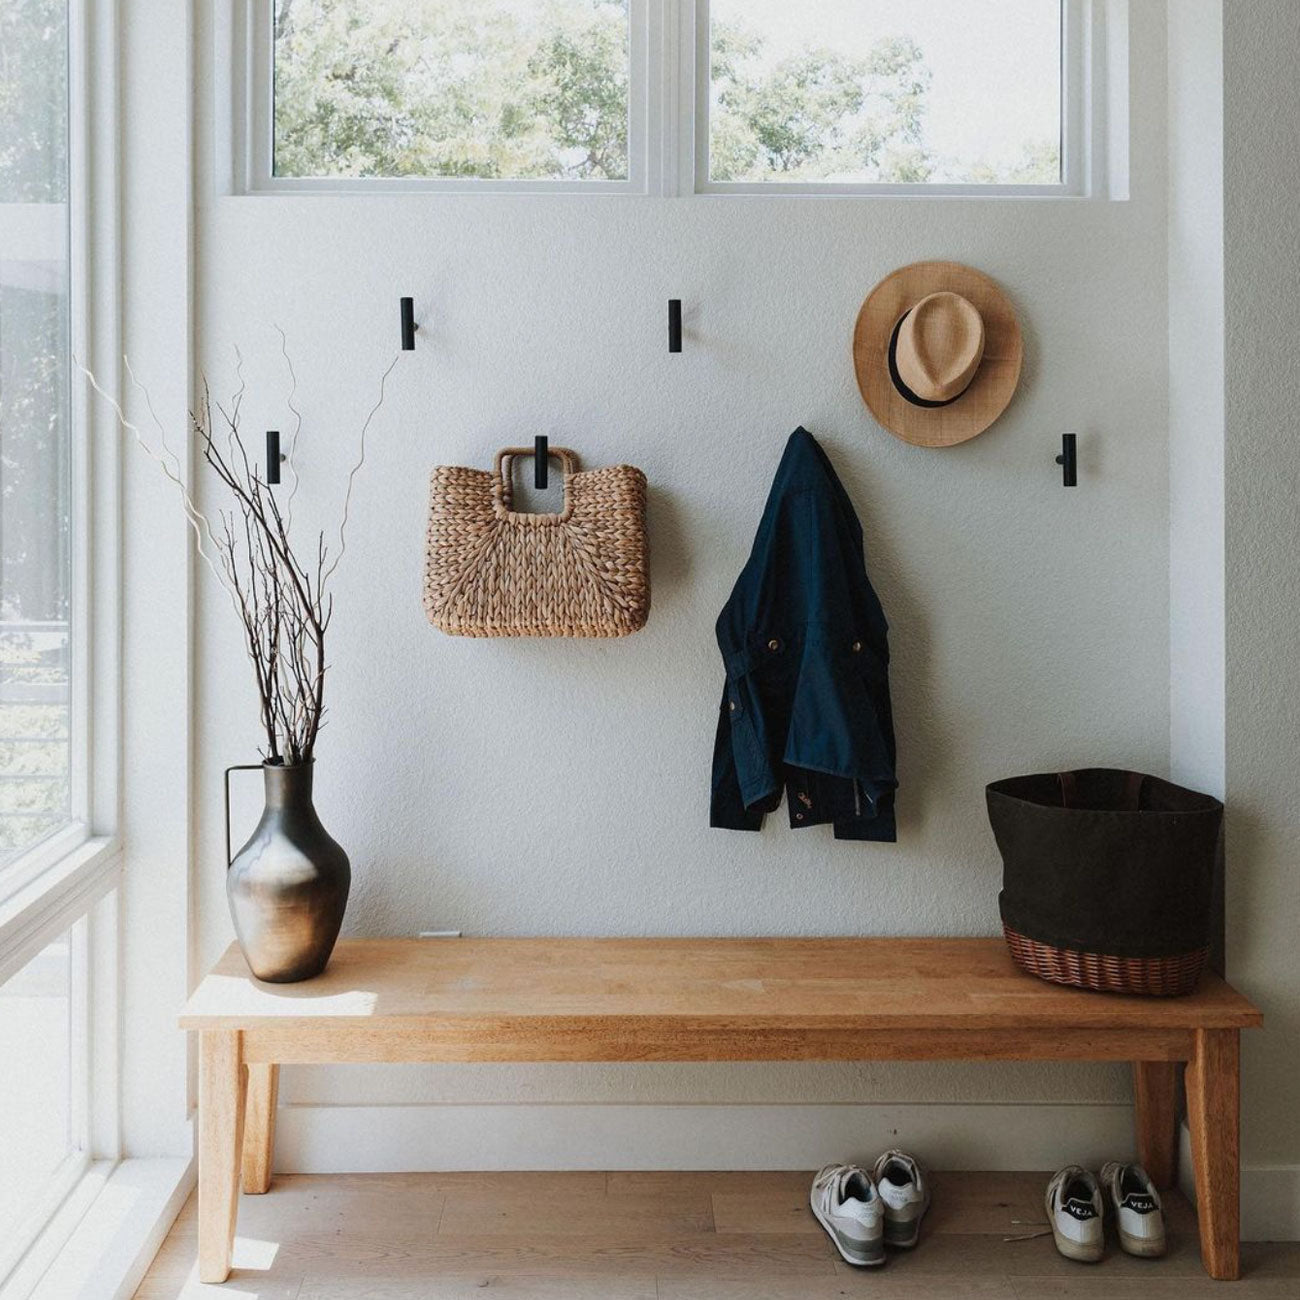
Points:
x=985, y=1203
x=706, y=1183
x=885, y=1283
x=241, y=1286
x=652, y=1236
x=738, y=1256
x=1095, y=1285
x=629, y=1217
x=480, y=1286
x=760, y=1210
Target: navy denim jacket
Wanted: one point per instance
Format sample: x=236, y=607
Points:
x=803, y=639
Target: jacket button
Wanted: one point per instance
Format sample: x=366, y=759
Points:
x=774, y=644
x=732, y=706
x=798, y=817
x=857, y=647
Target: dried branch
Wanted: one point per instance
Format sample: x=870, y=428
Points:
x=297, y=424
x=193, y=515
x=361, y=460
x=284, y=606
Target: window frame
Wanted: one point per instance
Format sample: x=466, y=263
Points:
x=68, y=881
x=697, y=38
x=668, y=101
x=255, y=125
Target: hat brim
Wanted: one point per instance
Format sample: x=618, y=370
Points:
x=995, y=381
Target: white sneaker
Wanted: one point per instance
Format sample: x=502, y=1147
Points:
x=845, y=1202
x=1139, y=1214
x=1074, y=1209
x=904, y=1194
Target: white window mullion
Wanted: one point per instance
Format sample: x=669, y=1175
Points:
x=79, y=1043
x=1079, y=70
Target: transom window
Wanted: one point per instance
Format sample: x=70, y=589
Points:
x=468, y=90
x=667, y=96
x=881, y=92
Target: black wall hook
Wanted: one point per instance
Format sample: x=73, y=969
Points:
x=274, y=458
x=408, y=325
x=1069, y=460
x=674, y=324
x=541, y=462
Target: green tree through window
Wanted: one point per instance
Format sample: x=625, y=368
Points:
x=493, y=89
x=539, y=90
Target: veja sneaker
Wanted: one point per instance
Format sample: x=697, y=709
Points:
x=1139, y=1215
x=845, y=1202
x=904, y=1195
x=1074, y=1209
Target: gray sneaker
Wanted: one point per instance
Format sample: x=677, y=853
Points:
x=846, y=1204
x=905, y=1195
x=1139, y=1215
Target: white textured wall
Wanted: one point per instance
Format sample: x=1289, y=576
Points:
x=157, y=578
x=533, y=787
x=1262, y=235
x=1197, y=641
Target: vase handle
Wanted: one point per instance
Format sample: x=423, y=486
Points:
x=239, y=767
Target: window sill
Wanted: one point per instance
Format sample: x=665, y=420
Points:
x=104, y=1237
x=55, y=896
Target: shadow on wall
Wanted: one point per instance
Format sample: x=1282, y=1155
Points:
x=670, y=559
x=922, y=760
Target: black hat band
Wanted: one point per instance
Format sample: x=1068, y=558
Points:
x=903, y=389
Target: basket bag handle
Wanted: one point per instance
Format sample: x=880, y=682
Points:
x=503, y=472
x=1132, y=799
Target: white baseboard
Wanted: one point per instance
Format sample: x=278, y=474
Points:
x=390, y=1139
x=1270, y=1195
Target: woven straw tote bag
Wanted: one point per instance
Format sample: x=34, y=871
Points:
x=493, y=571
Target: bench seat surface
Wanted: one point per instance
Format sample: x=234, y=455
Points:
x=621, y=984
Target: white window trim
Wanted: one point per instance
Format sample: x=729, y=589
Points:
x=668, y=155
x=253, y=133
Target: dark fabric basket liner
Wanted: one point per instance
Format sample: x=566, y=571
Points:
x=1100, y=876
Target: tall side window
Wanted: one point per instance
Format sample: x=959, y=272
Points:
x=880, y=94
x=53, y=874
x=36, y=525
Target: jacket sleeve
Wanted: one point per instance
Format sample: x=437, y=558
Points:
x=727, y=810
x=840, y=720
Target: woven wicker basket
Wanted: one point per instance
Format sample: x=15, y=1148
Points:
x=493, y=571
x=1108, y=878
x=1160, y=977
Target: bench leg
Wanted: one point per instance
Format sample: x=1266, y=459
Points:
x=1155, y=1106
x=259, y=1127
x=222, y=1089
x=1213, y=1115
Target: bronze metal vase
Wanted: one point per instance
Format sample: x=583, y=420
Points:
x=288, y=886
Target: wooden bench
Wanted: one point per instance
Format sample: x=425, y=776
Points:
x=703, y=1000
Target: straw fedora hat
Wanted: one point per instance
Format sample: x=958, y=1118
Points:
x=937, y=350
